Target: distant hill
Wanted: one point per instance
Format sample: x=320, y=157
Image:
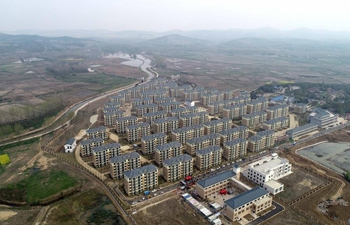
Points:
x=176, y=39
x=208, y=35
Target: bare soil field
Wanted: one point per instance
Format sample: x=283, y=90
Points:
x=298, y=183
x=170, y=212
x=289, y=216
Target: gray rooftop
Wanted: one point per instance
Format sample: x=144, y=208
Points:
x=260, y=113
x=112, y=113
x=301, y=128
x=153, y=136
x=173, y=144
x=208, y=150
x=137, y=125
x=233, y=130
x=240, y=105
x=123, y=158
x=140, y=171
x=235, y=142
x=216, y=122
x=70, y=141
x=246, y=197
x=158, y=113
x=265, y=133
x=126, y=118
x=203, y=138
x=97, y=129
x=92, y=140
x=102, y=148
x=216, y=178
x=184, y=129
x=177, y=160
x=279, y=119
x=277, y=107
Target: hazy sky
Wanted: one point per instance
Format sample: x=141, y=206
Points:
x=163, y=15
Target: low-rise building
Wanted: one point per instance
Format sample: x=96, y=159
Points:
x=234, y=133
x=97, y=132
x=254, y=118
x=202, y=142
x=141, y=179
x=177, y=168
x=235, y=149
x=102, y=154
x=208, y=157
x=123, y=163
x=277, y=123
x=70, y=145
x=302, y=130
x=167, y=151
x=211, y=186
x=149, y=142
x=268, y=168
x=89, y=144
x=254, y=201
x=136, y=131
x=122, y=123
x=322, y=117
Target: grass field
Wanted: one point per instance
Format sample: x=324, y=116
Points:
x=40, y=185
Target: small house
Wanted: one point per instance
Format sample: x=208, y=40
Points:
x=70, y=145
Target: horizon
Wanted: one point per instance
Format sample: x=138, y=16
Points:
x=152, y=15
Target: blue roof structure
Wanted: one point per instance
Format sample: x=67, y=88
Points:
x=216, y=178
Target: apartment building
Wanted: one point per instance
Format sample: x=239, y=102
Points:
x=122, y=123
x=198, y=143
x=300, y=108
x=168, y=106
x=167, y=151
x=277, y=123
x=256, y=105
x=254, y=201
x=254, y=119
x=102, y=154
x=181, y=111
x=118, y=98
x=141, y=179
x=193, y=94
x=177, y=168
x=111, y=117
x=112, y=105
x=160, y=101
x=178, y=92
x=212, y=185
x=262, y=140
x=322, y=117
x=234, y=111
x=228, y=94
x=165, y=125
x=235, y=149
x=277, y=111
x=149, y=142
x=216, y=126
x=89, y=144
x=135, y=92
x=122, y=163
x=125, y=94
x=208, y=157
x=136, y=131
x=152, y=116
x=207, y=98
x=136, y=102
x=191, y=119
x=97, y=132
x=234, y=133
x=186, y=133
x=268, y=168
x=111, y=109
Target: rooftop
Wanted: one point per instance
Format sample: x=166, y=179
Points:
x=301, y=128
x=176, y=160
x=273, y=184
x=153, y=136
x=246, y=197
x=92, y=140
x=97, y=129
x=260, y=113
x=208, y=150
x=70, y=141
x=126, y=118
x=173, y=144
x=279, y=119
x=203, y=138
x=123, y=158
x=235, y=142
x=140, y=171
x=233, y=130
x=216, y=178
x=267, y=163
x=106, y=147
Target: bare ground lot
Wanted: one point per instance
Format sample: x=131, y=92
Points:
x=170, y=212
x=298, y=183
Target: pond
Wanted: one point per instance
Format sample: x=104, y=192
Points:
x=335, y=156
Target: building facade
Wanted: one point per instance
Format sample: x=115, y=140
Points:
x=167, y=151
x=235, y=149
x=123, y=163
x=149, y=142
x=102, y=154
x=208, y=157
x=141, y=179
x=177, y=168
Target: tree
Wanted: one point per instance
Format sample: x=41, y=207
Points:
x=347, y=176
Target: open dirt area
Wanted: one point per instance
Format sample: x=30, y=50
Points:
x=170, y=212
x=6, y=214
x=298, y=183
